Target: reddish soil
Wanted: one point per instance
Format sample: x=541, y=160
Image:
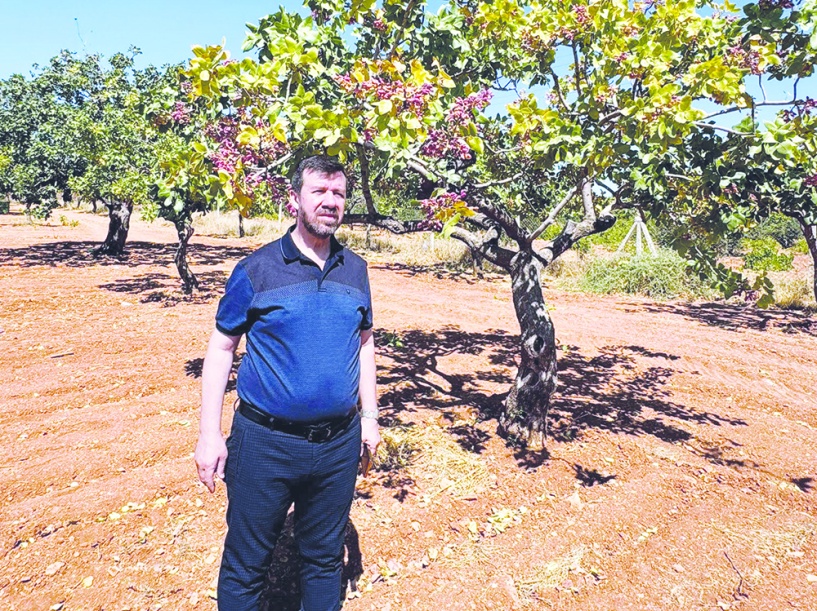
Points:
x=679, y=473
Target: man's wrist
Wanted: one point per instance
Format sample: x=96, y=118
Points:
x=369, y=413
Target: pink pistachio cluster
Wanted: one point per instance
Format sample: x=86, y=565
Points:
x=462, y=112
x=530, y=42
x=581, y=14
x=404, y=96
x=748, y=60
x=379, y=25
x=434, y=205
x=441, y=143
x=180, y=113
x=445, y=142
x=229, y=155
x=803, y=108
x=811, y=181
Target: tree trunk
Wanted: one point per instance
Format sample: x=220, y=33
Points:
x=118, y=224
x=526, y=408
x=185, y=230
x=810, y=232
x=240, y=224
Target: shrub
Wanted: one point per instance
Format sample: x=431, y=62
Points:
x=800, y=247
x=781, y=228
x=763, y=255
x=660, y=276
x=4, y=206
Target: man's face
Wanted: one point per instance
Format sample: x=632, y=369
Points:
x=320, y=203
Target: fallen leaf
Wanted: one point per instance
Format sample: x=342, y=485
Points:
x=88, y=582
x=52, y=568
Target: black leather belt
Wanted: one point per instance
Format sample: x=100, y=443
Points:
x=317, y=432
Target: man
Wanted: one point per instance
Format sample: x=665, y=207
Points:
x=304, y=303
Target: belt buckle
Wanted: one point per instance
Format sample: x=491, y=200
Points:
x=318, y=434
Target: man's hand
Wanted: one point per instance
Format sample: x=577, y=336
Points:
x=211, y=456
x=369, y=435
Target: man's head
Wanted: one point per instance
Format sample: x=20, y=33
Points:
x=319, y=195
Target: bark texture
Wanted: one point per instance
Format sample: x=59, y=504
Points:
x=184, y=228
x=119, y=214
x=526, y=408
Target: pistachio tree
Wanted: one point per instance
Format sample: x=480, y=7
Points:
x=602, y=94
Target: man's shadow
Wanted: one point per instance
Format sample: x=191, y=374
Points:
x=282, y=591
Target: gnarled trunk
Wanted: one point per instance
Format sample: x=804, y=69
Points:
x=810, y=233
x=185, y=230
x=526, y=408
x=119, y=214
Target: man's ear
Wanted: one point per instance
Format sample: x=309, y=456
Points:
x=293, y=199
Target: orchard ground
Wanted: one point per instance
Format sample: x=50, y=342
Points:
x=679, y=473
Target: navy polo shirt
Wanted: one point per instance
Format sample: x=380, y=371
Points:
x=303, y=327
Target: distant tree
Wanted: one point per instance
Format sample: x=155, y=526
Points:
x=35, y=114
x=118, y=143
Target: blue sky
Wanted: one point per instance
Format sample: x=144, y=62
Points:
x=33, y=31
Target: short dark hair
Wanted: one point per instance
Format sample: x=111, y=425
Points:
x=320, y=164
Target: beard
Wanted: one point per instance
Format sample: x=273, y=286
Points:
x=320, y=226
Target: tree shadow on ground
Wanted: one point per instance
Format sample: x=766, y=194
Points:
x=739, y=318
x=166, y=289
x=193, y=368
x=282, y=591
x=79, y=254
x=615, y=389
x=414, y=377
x=440, y=271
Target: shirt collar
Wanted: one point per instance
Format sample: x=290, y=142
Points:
x=291, y=252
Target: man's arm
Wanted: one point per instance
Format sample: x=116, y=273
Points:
x=211, y=451
x=368, y=393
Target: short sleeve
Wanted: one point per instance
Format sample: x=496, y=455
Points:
x=232, y=317
x=368, y=320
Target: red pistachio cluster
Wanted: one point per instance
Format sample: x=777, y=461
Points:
x=434, y=205
x=230, y=156
x=404, y=96
x=446, y=142
x=802, y=108
x=180, y=113
x=747, y=60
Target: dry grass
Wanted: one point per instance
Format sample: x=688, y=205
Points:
x=794, y=292
x=225, y=225
x=445, y=465
x=432, y=457
x=549, y=575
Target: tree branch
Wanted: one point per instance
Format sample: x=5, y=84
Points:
x=554, y=213
x=365, y=183
x=496, y=183
x=508, y=223
x=587, y=200
x=759, y=104
x=576, y=68
x=386, y=222
x=486, y=245
x=424, y=171
x=720, y=129
x=558, y=89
